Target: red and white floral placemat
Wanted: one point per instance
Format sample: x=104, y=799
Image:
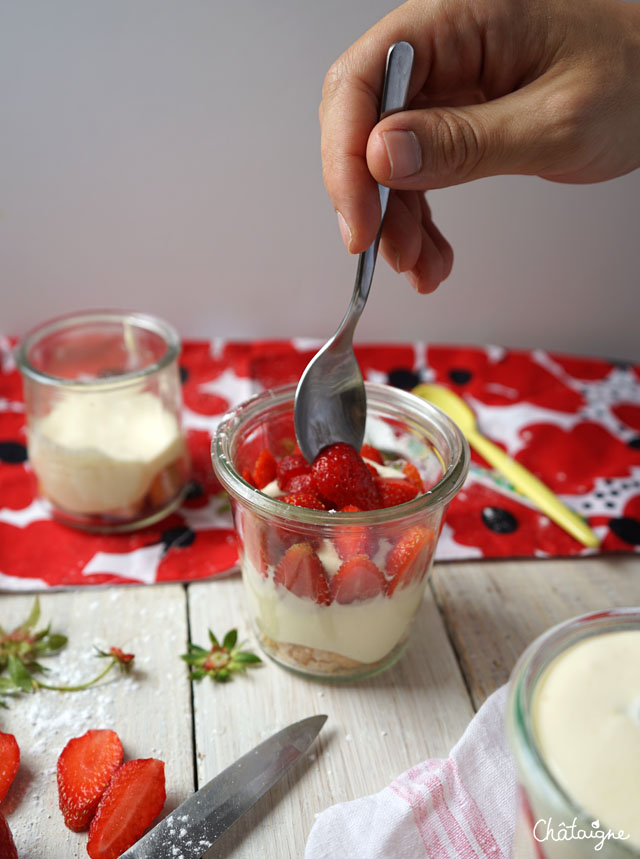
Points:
x=574, y=422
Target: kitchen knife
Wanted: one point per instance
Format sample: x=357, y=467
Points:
x=191, y=829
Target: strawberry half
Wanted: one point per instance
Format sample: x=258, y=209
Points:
x=9, y=762
x=368, y=451
x=409, y=558
x=306, y=498
x=85, y=767
x=294, y=465
x=130, y=804
x=301, y=572
x=395, y=490
x=265, y=469
x=357, y=579
x=342, y=477
x=7, y=844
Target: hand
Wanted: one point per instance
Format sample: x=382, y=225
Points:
x=539, y=87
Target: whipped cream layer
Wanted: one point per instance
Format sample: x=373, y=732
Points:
x=99, y=452
x=364, y=630
x=586, y=717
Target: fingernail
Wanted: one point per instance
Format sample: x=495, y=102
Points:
x=344, y=230
x=404, y=153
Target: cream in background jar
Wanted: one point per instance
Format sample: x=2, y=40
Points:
x=103, y=401
x=573, y=723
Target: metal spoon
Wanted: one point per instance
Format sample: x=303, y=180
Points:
x=330, y=402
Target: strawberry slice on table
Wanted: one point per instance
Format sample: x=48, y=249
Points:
x=409, y=558
x=85, y=768
x=301, y=572
x=342, y=477
x=7, y=844
x=357, y=579
x=395, y=490
x=9, y=762
x=133, y=800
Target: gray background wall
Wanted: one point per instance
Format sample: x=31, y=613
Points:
x=163, y=155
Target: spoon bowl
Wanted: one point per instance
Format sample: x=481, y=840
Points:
x=330, y=401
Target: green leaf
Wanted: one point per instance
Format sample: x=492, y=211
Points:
x=230, y=639
x=246, y=657
x=19, y=674
x=198, y=674
x=56, y=641
x=7, y=685
x=34, y=617
x=213, y=639
x=222, y=675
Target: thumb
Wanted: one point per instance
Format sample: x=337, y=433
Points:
x=438, y=147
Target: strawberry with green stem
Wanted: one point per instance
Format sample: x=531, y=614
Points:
x=221, y=661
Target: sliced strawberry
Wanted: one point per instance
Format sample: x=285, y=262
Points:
x=350, y=540
x=409, y=558
x=85, y=767
x=289, y=467
x=413, y=476
x=9, y=762
x=302, y=573
x=301, y=483
x=357, y=579
x=265, y=469
x=7, y=844
x=395, y=490
x=130, y=804
x=341, y=476
x=253, y=544
x=306, y=498
x=368, y=451
x=248, y=476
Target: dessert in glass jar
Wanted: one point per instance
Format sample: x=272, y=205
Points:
x=103, y=400
x=573, y=723
x=335, y=554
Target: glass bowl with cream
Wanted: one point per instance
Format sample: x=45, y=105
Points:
x=103, y=402
x=573, y=724
x=300, y=619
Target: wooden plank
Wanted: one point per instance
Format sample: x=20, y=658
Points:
x=493, y=610
x=376, y=728
x=150, y=709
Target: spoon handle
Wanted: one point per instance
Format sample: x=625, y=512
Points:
x=394, y=98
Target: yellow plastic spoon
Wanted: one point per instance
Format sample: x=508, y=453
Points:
x=519, y=476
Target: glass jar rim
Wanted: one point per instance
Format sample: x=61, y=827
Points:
x=527, y=673
x=141, y=320
x=439, y=495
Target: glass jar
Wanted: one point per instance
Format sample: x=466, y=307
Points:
x=551, y=824
x=330, y=639
x=102, y=397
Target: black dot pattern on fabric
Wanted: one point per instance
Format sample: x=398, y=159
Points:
x=403, y=378
x=194, y=490
x=177, y=538
x=13, y=452
x=184, y=374
x=627, y=529
x=460, y=376
x=635, y=443
x=499, y=520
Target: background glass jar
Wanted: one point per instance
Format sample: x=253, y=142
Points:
x=337, y=640
x=551, y=824
x=103, y=400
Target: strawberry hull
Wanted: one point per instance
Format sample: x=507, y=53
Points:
x=333, y=592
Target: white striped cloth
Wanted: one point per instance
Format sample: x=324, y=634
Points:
x=463, y=807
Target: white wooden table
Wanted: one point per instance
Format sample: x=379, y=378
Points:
x=474, y=621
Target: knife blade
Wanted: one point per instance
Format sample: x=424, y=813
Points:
x=191, y=829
